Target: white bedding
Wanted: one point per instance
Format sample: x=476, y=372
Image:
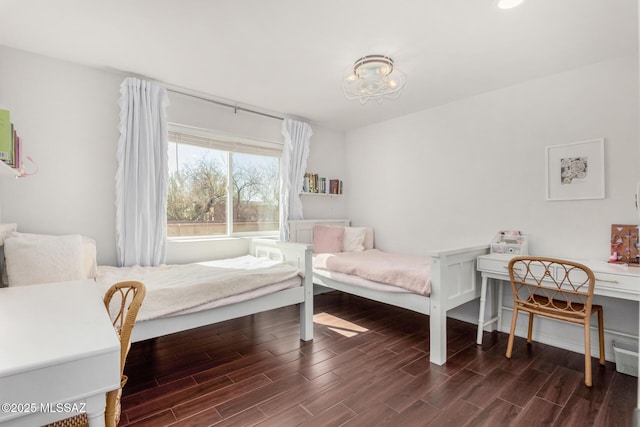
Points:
x=177, y=289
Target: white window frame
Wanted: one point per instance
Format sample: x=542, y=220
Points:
x=230, y=144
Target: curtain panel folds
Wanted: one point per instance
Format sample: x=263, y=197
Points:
x=295, y=152
x=142, y=174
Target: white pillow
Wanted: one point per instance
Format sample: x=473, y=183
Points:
x=89, y=257
x=89, y=252
x=44, y=260
x=368, y=238
x=353, y=240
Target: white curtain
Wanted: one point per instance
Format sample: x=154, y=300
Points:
x=142, y=174
x=297, y=136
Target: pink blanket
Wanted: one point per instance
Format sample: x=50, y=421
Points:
x=406, y=271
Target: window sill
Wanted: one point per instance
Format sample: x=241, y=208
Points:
x=201, y=239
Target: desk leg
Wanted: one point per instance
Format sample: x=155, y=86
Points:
x=483, y=300
x=95, y=410
x=498, y=289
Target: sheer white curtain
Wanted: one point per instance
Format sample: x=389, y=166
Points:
x=142, y=174
x=297, y=136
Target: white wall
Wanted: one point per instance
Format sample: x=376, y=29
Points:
x=68, y=116
x=457, y=174
x=327, y=158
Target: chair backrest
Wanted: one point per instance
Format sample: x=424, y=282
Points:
x=123, y=300
x=553, y=287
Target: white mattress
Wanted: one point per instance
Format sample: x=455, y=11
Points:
x=173, y=290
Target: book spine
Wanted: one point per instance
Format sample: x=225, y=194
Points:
x=6, y=135
x=18, y=153
x=12, y=152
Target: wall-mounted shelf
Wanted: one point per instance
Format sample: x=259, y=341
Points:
x=6, y=170
x=303, y=193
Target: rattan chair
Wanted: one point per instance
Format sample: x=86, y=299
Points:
x=122, y=300
x=557, y=289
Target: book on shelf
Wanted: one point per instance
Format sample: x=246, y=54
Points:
x=17, y=150
x=6, y=136
x=334, y=186
x=11, y=152
x=312, y=183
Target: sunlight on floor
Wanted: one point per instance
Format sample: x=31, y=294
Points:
x=338, y=325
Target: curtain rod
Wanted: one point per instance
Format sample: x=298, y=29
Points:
x=224, y=104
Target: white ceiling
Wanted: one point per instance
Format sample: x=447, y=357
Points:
x=289, y=56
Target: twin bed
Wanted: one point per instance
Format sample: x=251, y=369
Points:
x=453, y=279
x=272, y=275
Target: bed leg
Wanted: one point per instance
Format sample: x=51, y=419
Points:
x=438, y=335
x=306, y=312
x=306, y=322
x=438, y=312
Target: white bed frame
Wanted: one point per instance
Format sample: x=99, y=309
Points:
x=298, y=255
x=454, y=281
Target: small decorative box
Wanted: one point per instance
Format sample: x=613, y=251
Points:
x=510, y=242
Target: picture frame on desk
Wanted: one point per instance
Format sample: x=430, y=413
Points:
x=575, y=171
x=625, y=244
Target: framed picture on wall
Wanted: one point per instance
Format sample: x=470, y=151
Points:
x=576, y=171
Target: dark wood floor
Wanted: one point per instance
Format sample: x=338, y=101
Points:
x=367, y=366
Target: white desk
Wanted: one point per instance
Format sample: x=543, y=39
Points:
x=612, y=280
x=59, y=353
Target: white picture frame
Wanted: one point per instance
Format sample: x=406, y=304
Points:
x=575, y=171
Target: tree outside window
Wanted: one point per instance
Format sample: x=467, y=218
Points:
x=214, y=192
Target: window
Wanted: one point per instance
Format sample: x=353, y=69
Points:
x=221, y=185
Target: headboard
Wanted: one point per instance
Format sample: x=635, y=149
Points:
x=301, y=230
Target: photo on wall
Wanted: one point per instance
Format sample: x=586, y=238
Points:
x=575, y=171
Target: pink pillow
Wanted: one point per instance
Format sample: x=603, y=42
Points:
x=327, y=239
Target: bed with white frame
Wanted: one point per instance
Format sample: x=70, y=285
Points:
x=25, y=254
x=297, y=255
x=454, y=281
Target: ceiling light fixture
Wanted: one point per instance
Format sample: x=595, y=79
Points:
x=373, y=77
x=509, y=4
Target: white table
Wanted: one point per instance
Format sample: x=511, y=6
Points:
x=59, y=353
x=612, y=280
